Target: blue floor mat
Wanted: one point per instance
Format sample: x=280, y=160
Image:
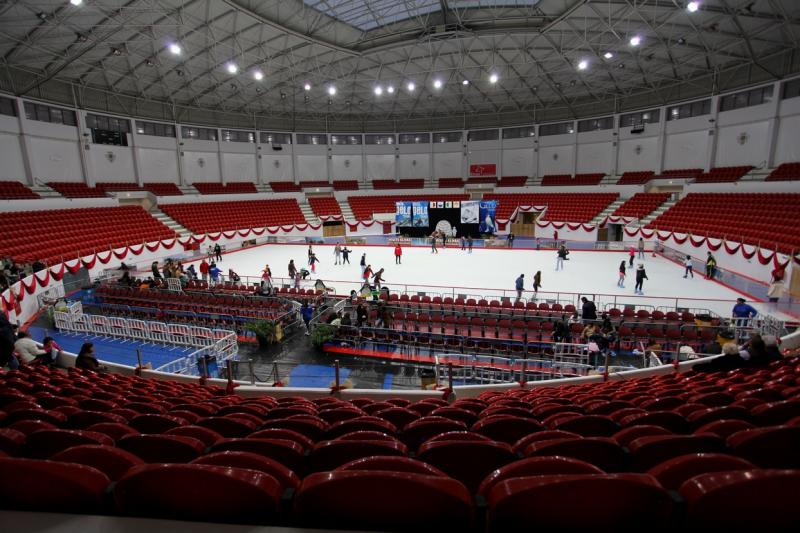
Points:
x=315, y=376
x=114, y=350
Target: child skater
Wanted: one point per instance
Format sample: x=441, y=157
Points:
x=688, y=264
x=621, y=282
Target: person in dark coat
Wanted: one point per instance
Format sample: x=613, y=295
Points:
x=7, y=340
x=346, y=255
x=87, y=359
x=641, y=275
x=589, y=310
x=218, y=252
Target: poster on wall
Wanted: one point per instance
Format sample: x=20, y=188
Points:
x=483, y=169
x=402, y=216
x=421, y=219
x=469, y=212
x=487, y=215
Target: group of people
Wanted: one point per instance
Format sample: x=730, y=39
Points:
x=19, y=348
x=11, y=271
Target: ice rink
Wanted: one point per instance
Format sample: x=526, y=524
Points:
x=492, y=272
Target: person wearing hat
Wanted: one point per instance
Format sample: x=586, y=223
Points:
x=641, y=275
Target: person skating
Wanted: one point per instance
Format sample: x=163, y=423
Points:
x=444, y=239
x=266, y=278
x=433, y=243
x=377, y=278
x=367, y=273
x=310, y=253
x=520, y=286
x=398, y=254
x=631, y=256
x=363, y=262
x=641, y=248
x=641, y=275
x=621, y=282
x=775, y=290
x=346, y=255
x=561, y=256
x=538, y=243
x=469, y=244
x=510, y=240
x=537, y=282
x=218, y=252
x=337, y=254
x=711, y=265
x=687, y=263
x=463, y=243
x=292, y=269
x=312, y=260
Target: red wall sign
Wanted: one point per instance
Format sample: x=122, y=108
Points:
x=483, y=170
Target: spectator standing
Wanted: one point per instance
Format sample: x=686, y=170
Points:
x=537, y=282
x=233, y=277
x=203, y=270
x=641, y=275
x=154, y=269
x=775, y=291
x=398, y=254
x=306, y=311
x=7, y=340
x=38, y=266
x=711, y=265
x=52, y=350
x=687, y=263
x=214, y=272
x=266, y=278
x=743, y=312
x=588, y=310
x=520, y=286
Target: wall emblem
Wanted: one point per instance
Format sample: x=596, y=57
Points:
x=276, y=163
x=637, y=149
x=111, y=156
x=743, y=138
x=201, y=162
x=346, y=163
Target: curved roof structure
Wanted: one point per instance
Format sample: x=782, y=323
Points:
x=551, y=59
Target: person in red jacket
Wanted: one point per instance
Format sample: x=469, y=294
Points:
x=204, y=270
x=398, y=253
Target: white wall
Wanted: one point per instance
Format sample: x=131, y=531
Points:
x=348, y=167
x=201, y=166
x=518, y=162
x=381, y=166
x=484, y=157
x=13, y=166
x=595, y=157
x=628, y=160
x=414, y=165
x=686, y=150
x=556, y=159
x=239, y=167
x=112, y=163
x=787, y=148
x=743, y=144
x=282, y=171
x=312, y=167
x=158, y=165
x=55, y=160
x=447, y=164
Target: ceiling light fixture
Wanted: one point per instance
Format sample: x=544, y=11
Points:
x=307, y=86
x=332, y=91
x=608, y=55
x=583, y=64
x=465, y=82
x=232, y=68
x=493, y=78
x=691, y=7
x=258, y=75
x=76, y=2
x=390, y=89
x=636, y=40
x=378, y=90
x=437, y=84
x=175, y=48
x=411, y=86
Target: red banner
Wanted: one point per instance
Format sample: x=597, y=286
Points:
x=485, y=169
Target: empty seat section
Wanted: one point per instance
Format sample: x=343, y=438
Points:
x=755, y=218
x=723, y=174
x=284, y=186
x=512, y=181
x=785, y=172
x=66, y=233
x=365, y=206
x=561, y=207
x=163, y=189
x=215, y=216
x=75, y=189
x=108, y=187
x=345, y=185
x=232, y=187
x=638, y=177
x=641, y=204
x=451, y=183
x=325, y=206
x=310, y=184
x=14, y=190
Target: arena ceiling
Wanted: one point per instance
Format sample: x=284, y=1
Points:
x=552, y=59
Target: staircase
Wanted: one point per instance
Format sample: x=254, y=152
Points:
x=347, y=213
x=533, y=181
x=188, y=189
x=261, y=187
x=169, y=222
x=607, y=211
x=308, y=213
x=657, y=212
x=44, y=190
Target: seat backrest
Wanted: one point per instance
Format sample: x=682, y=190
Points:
x=113, y=462
x=252, y=461
x=467, y=461
x=536, y=466
x=674, y=472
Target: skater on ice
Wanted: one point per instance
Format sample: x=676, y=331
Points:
x=641, y=275
x=561, y=257
x=621, y=282
x=687, y=264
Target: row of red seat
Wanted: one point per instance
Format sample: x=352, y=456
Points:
x=723, y=174
x=641, y=204
x=215, y=216
x=325, y=206
x=562, y=207
x=14, y=190
x=785, y=172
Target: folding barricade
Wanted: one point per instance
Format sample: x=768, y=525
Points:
x=158, y=332
x=201, y=336
x=99, y=325
x=180, y=334
x=118, y=327
x=137, y=329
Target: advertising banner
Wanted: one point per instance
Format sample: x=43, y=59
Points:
x=402, y=214
x=485, y=169
x=488, y=216
x=469, y=211
x=421, y=219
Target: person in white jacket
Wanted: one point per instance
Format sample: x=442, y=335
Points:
x=688, y=264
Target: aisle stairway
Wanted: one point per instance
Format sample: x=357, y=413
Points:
x=308, y=213
x=169, y=222
x=188, y=189
x=608, y=210
x=657, y=212
x=347, y=213
x=44, y=191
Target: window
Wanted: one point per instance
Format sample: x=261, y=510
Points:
x=379, y=139
x=596, y=124
x=102, y=122
x=45, y=113
x=200, y=134
x=693, y=109
x=8, y=107
x=483, y=135
x=556, y=129
x=791, y=89
x=642, y=117
x=312, y=138
x=156, y=129
x=519, y=133
x=345, y=139
x=762, y=95
x=236, y=136
x=275, y=138
x=447, y=137
x=414, y=138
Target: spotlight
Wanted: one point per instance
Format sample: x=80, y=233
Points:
x=76, y=2
x=636, y=40
x=378, y=90
x=437, y=84
x=116, y=51
x=493, y=78
x=411, y=86
x=175, y=49
x=232, y=68
x=149, y=62
x=307, y=86
x=179, y=72
x=82, y=38
x=608, y=55
x=583, y=64
x=390, y=89
x=283, y=95
x=691, y=7
x=258, y=75
x=465, y=82
x=331, y=91
x=681, y=40
x=42, y=15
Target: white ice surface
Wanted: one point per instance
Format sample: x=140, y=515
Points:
x=490, y=272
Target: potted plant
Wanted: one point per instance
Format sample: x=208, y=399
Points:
x=322, y=333
x=264, y=331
